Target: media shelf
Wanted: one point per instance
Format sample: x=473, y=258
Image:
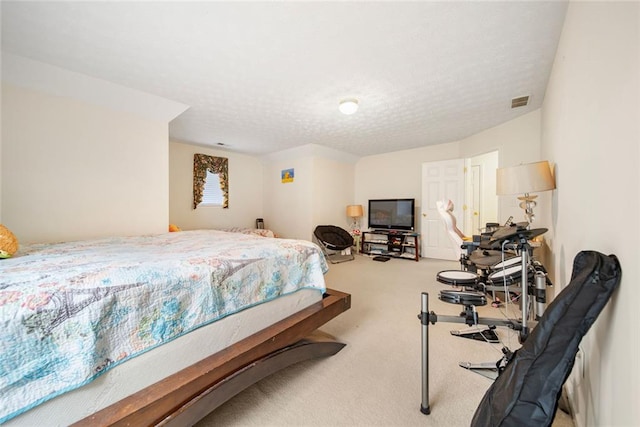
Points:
x=395, y=244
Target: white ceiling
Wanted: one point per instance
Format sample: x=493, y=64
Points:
x=266, y=76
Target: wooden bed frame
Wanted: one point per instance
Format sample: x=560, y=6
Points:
x=187, y=396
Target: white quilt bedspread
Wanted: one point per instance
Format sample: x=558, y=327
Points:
x=71, y=311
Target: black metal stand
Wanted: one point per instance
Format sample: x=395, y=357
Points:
x=478, y=333
x=424, y=319
x=470, y=317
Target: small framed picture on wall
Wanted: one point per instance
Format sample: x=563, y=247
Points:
x=287, y=175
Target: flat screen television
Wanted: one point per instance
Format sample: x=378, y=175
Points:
x=392, y=214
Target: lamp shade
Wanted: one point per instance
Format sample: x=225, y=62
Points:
x=522, y=179
x=355, y=211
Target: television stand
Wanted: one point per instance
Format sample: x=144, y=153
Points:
x=391, y=243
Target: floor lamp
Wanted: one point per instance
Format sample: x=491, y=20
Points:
x=525, y=179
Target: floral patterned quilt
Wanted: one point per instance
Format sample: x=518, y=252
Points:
x=71, y=311
x=257, y=231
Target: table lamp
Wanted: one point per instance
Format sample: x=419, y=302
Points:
x=355, y=212
x=525, y=179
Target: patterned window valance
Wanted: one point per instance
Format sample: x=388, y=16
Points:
x=218, y=165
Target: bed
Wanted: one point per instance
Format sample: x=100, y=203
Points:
x=154, y=329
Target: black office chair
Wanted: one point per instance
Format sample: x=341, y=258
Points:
x=333, y=241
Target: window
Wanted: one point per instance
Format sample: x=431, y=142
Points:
x=210, y=181
x=212, y=193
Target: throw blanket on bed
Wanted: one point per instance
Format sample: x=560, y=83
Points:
x=71, y=311
x=257, y=231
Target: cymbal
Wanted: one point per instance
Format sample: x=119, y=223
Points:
x=508, y=232
x=484, y=258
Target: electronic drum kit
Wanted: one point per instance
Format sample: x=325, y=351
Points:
x=505, y=274
x=502, y=273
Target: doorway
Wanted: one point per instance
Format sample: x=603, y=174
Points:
x=440, y=180
x=481, y=201
x=471, y=185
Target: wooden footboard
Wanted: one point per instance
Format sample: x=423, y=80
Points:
x=190, y=394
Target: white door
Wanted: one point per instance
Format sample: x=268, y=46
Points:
x=440, y=181
x=481, y=195
x=475, y=204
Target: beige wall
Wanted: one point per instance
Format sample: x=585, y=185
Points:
x=73, y=170
x=288, y=206
x=518, y=141
x=319, y=194
x=590, y=131
x=332, y=192
x=398, y=174
x=245, y=190
x=322, y=188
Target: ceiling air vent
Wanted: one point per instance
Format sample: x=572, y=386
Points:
x=519, y=102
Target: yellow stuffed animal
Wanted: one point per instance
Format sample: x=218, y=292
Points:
x=173, y=228
x=8, y=242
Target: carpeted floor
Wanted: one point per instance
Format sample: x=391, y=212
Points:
x=376, y=379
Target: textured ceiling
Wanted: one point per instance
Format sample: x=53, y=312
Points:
x=267, y=76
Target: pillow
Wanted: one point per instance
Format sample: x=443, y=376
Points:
x=8, y=242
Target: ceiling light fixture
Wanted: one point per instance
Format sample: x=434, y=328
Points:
x=348, y=106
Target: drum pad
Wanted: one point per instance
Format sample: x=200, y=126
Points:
x=463, y=297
